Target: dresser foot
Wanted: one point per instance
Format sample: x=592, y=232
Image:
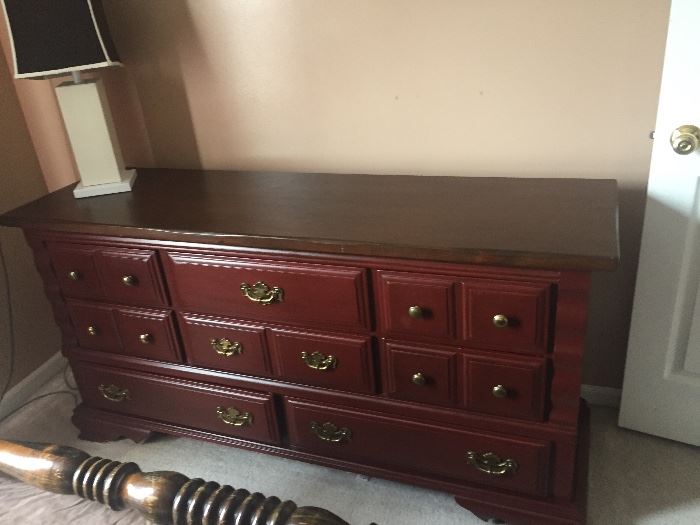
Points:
x=101, y=430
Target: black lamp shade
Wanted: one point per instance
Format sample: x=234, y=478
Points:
x=51, y=37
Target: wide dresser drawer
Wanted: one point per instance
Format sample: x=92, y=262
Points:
x=452, y=454
x=239, y=413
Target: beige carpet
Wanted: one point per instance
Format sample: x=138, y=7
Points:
x=634, y=478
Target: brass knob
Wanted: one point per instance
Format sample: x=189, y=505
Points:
x=500, y=391
x=415, y=312
x=500, y=321
x=74, y=275
x=418, y=379
x=146, y=338
x=685, y=139
x=92, y=330
x=130, y=280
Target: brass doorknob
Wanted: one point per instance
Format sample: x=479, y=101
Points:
x=130, y=280
x=685, y=139
x=500, y=321
x=500, y=391
x=415, y=312
x=418, y=379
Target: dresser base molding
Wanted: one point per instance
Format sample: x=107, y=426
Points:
x=516, y=509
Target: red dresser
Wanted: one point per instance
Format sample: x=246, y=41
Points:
x=428, y=330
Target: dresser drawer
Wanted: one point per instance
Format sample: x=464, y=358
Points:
x=269, y=291
x=506, y=387
x=139, y=332
x=243, y=414
x=224, y=344
x=342, y=362
x=117, y=274
x=509, y=463
x=420, y=373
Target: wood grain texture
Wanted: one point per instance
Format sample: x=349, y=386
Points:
x=166, y=497
x=536, y=223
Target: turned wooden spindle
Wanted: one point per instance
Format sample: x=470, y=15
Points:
x=162, y=497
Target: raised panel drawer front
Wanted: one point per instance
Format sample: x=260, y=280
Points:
x=131, y=276
x=239, y=413
x=509, y=315
x=94, y=326
x=225, y=344
x=76, y=270
x=453, y=454
x=342, y=362
x=420, y=373
x=506, y=387
x=270, y=291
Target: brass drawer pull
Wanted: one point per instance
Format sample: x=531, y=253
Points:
x=74, y=275
x=226, y=347
x=330, y=433
x=490, y=463
x=419, y=379
x=262, y=294
x=146, y=339
x=500, y=321
x=114, y=393
x=415, y=312
x=318, y=361
x=500, y=391
x=233, y=416
x=92, y=330
x=130, y=280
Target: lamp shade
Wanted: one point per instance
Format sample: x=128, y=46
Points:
x=51, y=37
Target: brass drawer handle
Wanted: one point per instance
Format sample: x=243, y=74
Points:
x=500, y=391
x=74, y=275
x=490, y=463
x=92, y=330
x=500, y=321
x=318, y=361
x=419, y=379
x=233, y=416
x=226, y=347
x=130, y=280
x=114, y=393
x=262, y=294
x=146, y=339
x=330, y=433
x=415, y=312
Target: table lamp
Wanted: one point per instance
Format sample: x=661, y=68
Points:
x=60, y=37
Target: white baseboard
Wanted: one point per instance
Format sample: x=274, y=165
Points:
x=26, y=388
x=601, y=395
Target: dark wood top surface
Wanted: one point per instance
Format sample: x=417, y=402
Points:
x=535, y=223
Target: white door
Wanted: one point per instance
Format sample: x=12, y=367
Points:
x=661, y=392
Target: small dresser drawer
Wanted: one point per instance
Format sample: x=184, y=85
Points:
x=342, y=362
x=243, y=414
x=139, y=332
x=420, y=373
x=506, y=387
x=483, y=458
x=224, y=344
x=76, y=270
x=269, y=291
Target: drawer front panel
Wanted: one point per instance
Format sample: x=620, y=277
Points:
x=332, y=361
x=417, y=304
x=243, y=414
x=506, y=387
x=76, y=270
x=225, y=344
x=299, y=293
x=94, y=326
x=420, y=447
x=419, y=373
x=512, y=316
x=131, y=276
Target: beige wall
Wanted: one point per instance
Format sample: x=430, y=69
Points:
x=37, y=337
x=546, y=88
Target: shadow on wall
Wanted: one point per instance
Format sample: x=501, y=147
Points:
x=166, y=113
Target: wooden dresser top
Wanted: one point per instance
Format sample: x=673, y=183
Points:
x=534, y=223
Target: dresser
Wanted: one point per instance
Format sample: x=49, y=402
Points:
x=428, y=330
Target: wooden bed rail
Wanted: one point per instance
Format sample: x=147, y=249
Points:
x=166, y=497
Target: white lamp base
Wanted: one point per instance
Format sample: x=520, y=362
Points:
x=128, y=177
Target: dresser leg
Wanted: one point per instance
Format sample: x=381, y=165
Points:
x=102, y=430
